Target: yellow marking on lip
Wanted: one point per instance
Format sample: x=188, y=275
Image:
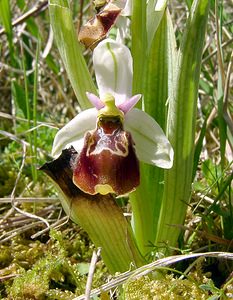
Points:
x=100, y=146
x=104, y=189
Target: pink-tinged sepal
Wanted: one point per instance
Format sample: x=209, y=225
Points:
x=126, y=106
x=95, y=101
x=107, y=162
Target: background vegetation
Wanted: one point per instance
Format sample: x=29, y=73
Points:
x=36, y=99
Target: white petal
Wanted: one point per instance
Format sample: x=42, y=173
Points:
x=152, y=146
x=122, y=29
x=125, y=5
x=73, y=132
x=119, y=3
x=127, y=11
x=113, y=68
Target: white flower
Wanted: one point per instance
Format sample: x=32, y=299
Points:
x=113, y=68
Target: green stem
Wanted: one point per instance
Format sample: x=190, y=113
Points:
x=34, y=110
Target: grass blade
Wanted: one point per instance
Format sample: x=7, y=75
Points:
x=146, y=200
x=181, y=125
x=5, y=17
x=70, y=50
x=155, y=12
x=198, y=148
x=139, y=44
x=220, y=84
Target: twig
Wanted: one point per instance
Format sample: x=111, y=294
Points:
x=94, y=259
x=29, y=199
x=17, y=231
x=56, y=225
x=215, y=51
x=40, y=6
x=15, y=138
x=13, y=202
x=10, y=117
x=206, y=235
x=7, y=277
x=48, y=44
x=14, y=70
x=21, y=223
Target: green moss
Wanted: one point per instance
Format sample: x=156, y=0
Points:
x=34, y=283
x=5, y=257
x=170, y=288
x=55, y=274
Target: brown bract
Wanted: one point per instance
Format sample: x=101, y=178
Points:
x=97, y=28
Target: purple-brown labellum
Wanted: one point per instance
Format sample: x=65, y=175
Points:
x=107, y=162
x=97, y=28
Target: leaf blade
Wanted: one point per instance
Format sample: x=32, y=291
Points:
x=70, y=51
x=181, y=125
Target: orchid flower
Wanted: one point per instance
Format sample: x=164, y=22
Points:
x=113, y=136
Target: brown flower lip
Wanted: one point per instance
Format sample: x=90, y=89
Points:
x=107, y=162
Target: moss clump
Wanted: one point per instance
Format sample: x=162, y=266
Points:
x=170, y=288
x=35, y=283
x=5, y=257
x=55, y=275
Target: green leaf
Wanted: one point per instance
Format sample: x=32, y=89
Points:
x=21, y=4
x=52, y=64
x=189, y=3
x=146, y=200
x=155, y=11
x=181, y=125
x=198, y=148
x=19, y=96
x=139, y=44
x=5, y=18
x=70, y=50
x=221, y=121
x=32, y=27
x=83, y=268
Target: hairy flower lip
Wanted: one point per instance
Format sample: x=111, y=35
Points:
x=107, y=162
